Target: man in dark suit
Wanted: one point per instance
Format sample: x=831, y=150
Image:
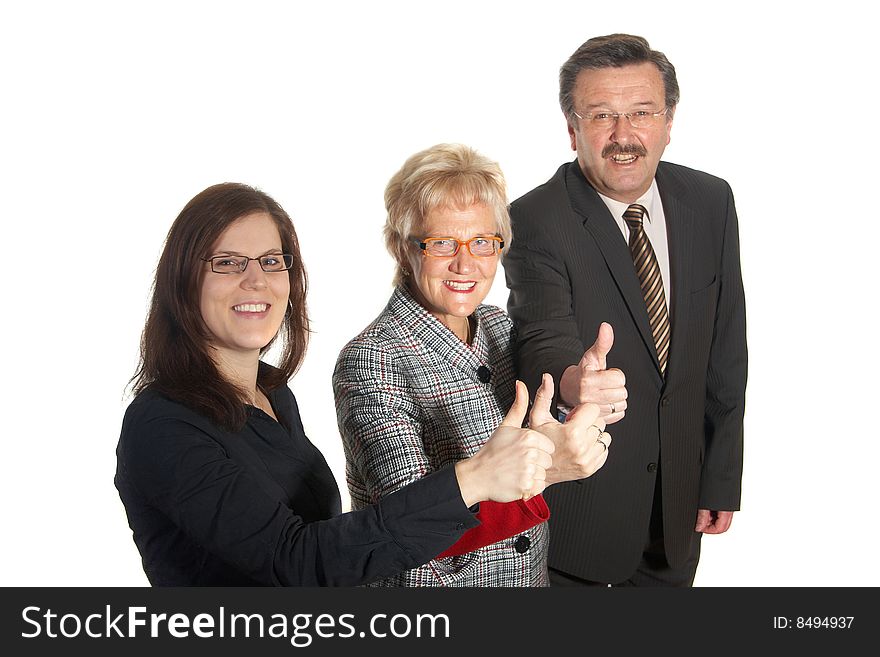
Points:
x=651, y=248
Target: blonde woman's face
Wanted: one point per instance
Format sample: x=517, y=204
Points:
x=451, y=288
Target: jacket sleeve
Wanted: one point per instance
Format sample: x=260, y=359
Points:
x=381, y=428
x=188, y=476
x=540, y=304
x=720, y=485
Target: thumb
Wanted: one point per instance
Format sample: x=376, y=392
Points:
x=703, y=518
x=540, y=413
x=594, y=357
x=517, y=412
x=583, y=415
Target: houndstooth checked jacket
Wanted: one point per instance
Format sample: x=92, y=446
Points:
x=409, y=400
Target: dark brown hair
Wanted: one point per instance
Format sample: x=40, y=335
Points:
x=614, y=50
x=175, y=357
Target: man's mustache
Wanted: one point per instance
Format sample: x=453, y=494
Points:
x=627, y=149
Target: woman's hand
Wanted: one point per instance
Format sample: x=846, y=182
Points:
x=513, y=463
x=581, y=443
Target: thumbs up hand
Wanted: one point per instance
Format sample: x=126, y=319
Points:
x=581, y=443
x=590, y=381
x=512, y=464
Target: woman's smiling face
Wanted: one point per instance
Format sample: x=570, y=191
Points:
x=244, y=311
x=451, y=288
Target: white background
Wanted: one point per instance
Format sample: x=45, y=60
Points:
x=113, y=115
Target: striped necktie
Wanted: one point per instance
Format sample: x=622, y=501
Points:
x=648, y=270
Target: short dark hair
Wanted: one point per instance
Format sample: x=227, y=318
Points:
x=175, y=355
x=614, y=50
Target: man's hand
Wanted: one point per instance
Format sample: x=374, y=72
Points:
x=591, y=382
x=713, y=522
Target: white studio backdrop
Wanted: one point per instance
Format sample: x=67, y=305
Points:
x=114, y=115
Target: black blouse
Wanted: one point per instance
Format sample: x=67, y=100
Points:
x=260, y=506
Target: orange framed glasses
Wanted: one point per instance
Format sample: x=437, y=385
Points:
x=446, y=247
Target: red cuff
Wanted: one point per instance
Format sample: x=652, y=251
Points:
x=499, y=521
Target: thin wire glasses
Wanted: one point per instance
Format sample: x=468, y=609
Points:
x=233, y=264
x=637, y=119
x=446, y=247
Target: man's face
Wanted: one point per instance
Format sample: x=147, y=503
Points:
x=620, y=161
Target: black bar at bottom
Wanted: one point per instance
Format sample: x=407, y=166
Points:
x=167, y=622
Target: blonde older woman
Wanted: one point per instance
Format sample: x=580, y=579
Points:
x=429, y=380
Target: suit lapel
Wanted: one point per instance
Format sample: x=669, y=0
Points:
x=679, y=225
x=599, y=223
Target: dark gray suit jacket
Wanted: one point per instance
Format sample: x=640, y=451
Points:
x=569, y=269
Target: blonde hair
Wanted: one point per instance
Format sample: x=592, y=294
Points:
x=445, y=175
